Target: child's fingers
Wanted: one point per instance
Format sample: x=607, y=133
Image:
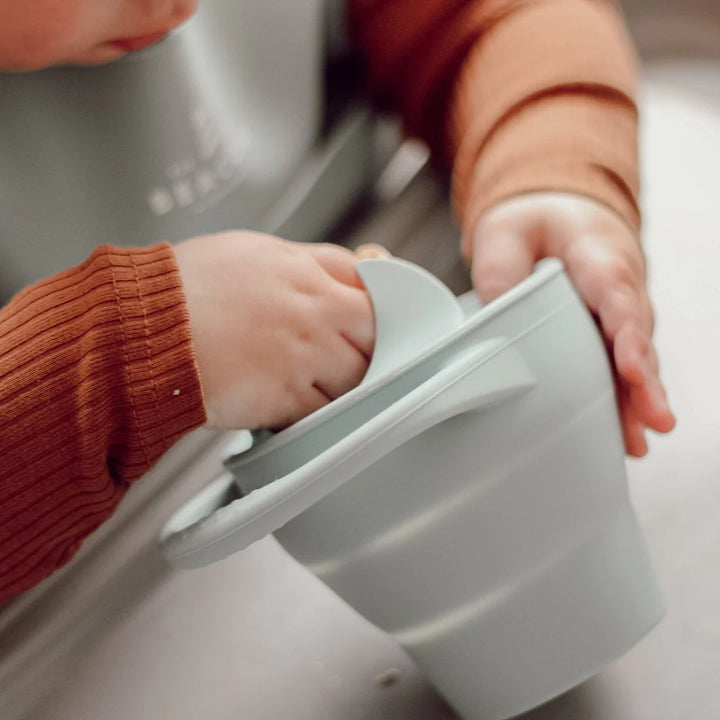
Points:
x=632, y=428
x=337, y=261
x=651, y=407
x=311, y=400
x=636, y=363
x=500, y=260
x=371, y=250
x=352, y=315
x=634, y=355
x=343, y=370
x=608, y=279
x=624, y=306
x=612, y=284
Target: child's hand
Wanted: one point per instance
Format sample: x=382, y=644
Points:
x=605, y=261
x=279, y=328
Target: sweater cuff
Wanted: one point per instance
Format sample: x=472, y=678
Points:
x=565, y=141
x=163, y=396
x=549, y=109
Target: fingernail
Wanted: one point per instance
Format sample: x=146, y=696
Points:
x=371, y=250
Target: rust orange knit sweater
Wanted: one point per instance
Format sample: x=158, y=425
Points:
x=97, y=374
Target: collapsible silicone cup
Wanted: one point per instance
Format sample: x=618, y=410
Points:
x=469, y=497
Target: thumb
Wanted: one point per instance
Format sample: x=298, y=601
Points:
x=500, y=259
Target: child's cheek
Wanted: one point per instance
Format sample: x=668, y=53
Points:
x=182, y=10
x=37, y=34
x=25, y=53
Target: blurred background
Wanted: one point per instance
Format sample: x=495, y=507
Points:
x=118, y=635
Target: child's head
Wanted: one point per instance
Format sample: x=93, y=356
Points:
x=39, y=33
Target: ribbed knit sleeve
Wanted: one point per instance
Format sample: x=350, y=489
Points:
x=97, y=380
x=515, y=96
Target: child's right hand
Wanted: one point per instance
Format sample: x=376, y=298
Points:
x=279, y=328
x=603, y=258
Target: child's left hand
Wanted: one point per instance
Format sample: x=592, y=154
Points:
x=603, y=257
